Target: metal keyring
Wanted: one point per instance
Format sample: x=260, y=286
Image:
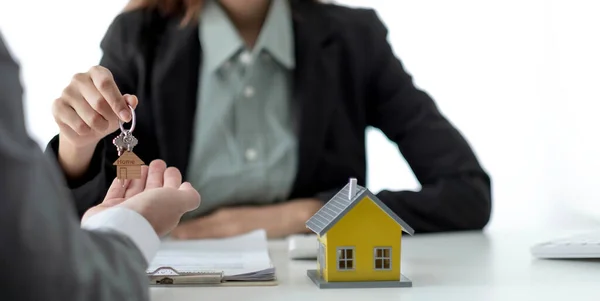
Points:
x=132, y=122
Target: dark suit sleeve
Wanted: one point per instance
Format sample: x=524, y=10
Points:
x=456, y=191
x=45, y=255
x=89, y=189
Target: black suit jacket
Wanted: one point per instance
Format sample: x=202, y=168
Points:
x=347, y=78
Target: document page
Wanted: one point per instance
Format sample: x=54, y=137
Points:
x=245, y=256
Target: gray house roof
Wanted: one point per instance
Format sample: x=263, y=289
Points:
x=342, y=203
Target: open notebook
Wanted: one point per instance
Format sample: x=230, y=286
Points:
x=241, y=259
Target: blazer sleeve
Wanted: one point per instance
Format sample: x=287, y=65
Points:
x=456, y=191
x=42, y=242
x=89, y=189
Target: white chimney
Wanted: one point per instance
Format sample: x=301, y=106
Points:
x=352, y=190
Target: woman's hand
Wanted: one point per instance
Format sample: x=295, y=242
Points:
x=278, y=221
x=90, y=108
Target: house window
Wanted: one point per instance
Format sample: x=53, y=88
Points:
x=383, y=258
x=345, y=258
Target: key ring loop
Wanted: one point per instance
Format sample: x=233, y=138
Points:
x=132, y=122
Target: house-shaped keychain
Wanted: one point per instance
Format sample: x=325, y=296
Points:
x=359, y=241
x=129, y=166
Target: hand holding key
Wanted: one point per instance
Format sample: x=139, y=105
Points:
x=125, y=141
x=90, y=108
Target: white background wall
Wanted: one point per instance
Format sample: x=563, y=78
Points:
x=520, y=78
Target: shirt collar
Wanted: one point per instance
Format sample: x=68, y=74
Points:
x=218, y=36
x=276, y=36
x=220, y=40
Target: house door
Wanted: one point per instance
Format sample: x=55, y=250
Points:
x=123, y=172
x=321, y=258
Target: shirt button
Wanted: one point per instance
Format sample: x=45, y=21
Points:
x=251, y=154
x=249, y=91
x=246, y=58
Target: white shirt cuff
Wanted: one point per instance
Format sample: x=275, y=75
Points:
x=130, y=224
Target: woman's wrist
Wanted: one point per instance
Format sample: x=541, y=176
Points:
x=74, y=160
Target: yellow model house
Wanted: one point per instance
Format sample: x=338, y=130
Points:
x=359, y=241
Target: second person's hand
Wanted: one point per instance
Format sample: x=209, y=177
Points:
x=159, y=196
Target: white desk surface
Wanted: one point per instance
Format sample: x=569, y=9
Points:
x=449, y=266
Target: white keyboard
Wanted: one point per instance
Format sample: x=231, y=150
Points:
x=302, y=246
x=577, y=246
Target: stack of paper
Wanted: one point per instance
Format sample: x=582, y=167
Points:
x=240, y=258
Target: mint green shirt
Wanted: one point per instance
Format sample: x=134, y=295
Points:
x=244, y=149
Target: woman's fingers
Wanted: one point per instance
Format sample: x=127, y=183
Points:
x=105, y=84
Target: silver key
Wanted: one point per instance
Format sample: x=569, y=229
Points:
x=130, y=141
x=122, y=142
x=125, y=140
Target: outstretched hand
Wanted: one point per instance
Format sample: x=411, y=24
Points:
x=159, y=196
x=117, y=193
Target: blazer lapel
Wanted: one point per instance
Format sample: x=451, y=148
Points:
x=315, y=54
x=174, y=91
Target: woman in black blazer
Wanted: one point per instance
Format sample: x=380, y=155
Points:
x=343, y=77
